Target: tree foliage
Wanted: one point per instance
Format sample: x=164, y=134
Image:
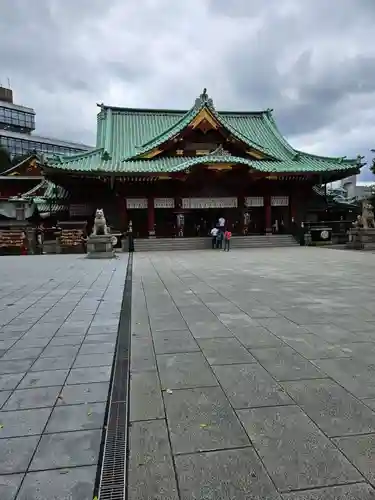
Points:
x=5, y=160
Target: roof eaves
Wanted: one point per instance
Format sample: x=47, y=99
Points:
x=15, y=167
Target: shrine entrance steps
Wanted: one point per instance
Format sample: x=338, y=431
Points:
x=165, y=244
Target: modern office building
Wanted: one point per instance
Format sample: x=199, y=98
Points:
x=17, y=124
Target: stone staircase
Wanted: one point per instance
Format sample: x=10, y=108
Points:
x=165, y=244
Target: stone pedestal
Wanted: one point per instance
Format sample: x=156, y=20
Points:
x=361, y=239
x=100, y=247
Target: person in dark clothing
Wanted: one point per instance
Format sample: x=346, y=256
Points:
x=220, y=237
x=130, y=237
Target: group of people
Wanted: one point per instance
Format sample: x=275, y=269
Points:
x=220, y=234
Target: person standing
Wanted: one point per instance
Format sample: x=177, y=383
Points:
x=227, y=237
x=214, y=233
x=219, y=239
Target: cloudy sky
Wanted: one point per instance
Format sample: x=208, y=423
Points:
x=312, y=61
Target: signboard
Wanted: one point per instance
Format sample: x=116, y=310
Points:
x=279, y=201
x=80, y=210
x=254, y=201
x=203, y=203
x=136, y=203
x=164, y=202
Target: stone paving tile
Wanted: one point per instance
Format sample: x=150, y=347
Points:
x=174, y=341
x=67, y=449
x=39, y=397
x=222, y=351
x=65, y=351
x=9, y=382
x=97, y=348
x=311, y=346
x=151, y=472
x=68, y=340
x=360, y=450
x=142, y=354
x=76, y=417
x=295, y=452
x=27, y=343
x=285, y=364
x=330, y=333
x=332, y=408
x=202, y=420
x=4, y=395
x=89, y=375
x=250, y=386
x=45, y=364
x=83, y=393
x=225, y=474
x=9, y=486
x=23, y=422
x=43, y=379
x=256, y=337
x=15, y=366
x=206, y=329
x=350, y=492
x=146, y=401
x=356, y=376
x=90, y=360
x=368, y=402
x=71, y=483
x=16, y=454
x=31, y=353
x=184, y=370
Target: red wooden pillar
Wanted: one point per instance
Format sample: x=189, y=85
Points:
x=267, y=214
x=151, y=217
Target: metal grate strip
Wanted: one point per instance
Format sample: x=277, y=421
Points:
x=113, y=468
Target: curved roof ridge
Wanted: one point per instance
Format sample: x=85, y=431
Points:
x=69, y=157
x=33, y=190
x=203, y=101
x=332, y=159
x=271, y=123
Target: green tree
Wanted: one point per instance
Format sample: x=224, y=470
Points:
x=5, y=161
x=18, y=158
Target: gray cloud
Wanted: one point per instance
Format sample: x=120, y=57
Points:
x=312, y=61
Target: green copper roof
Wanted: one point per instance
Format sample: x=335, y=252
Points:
x=46, y=190
x=95, y=164
x=124, y=134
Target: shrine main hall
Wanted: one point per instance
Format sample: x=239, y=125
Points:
x=174, y=173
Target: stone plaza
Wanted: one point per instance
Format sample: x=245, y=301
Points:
x=252, y=374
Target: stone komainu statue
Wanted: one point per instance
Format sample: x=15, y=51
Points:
x=367, y=215
x=100, y=224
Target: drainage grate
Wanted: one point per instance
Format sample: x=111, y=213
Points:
x=112, y=480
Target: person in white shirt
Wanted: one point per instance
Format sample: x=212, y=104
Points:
x=214, y=233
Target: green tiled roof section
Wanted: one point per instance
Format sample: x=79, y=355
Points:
x=95, y=164
x=49, y=190
x=184, y=121
x=342, y=162
x=135, y=131
x=89, y=161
